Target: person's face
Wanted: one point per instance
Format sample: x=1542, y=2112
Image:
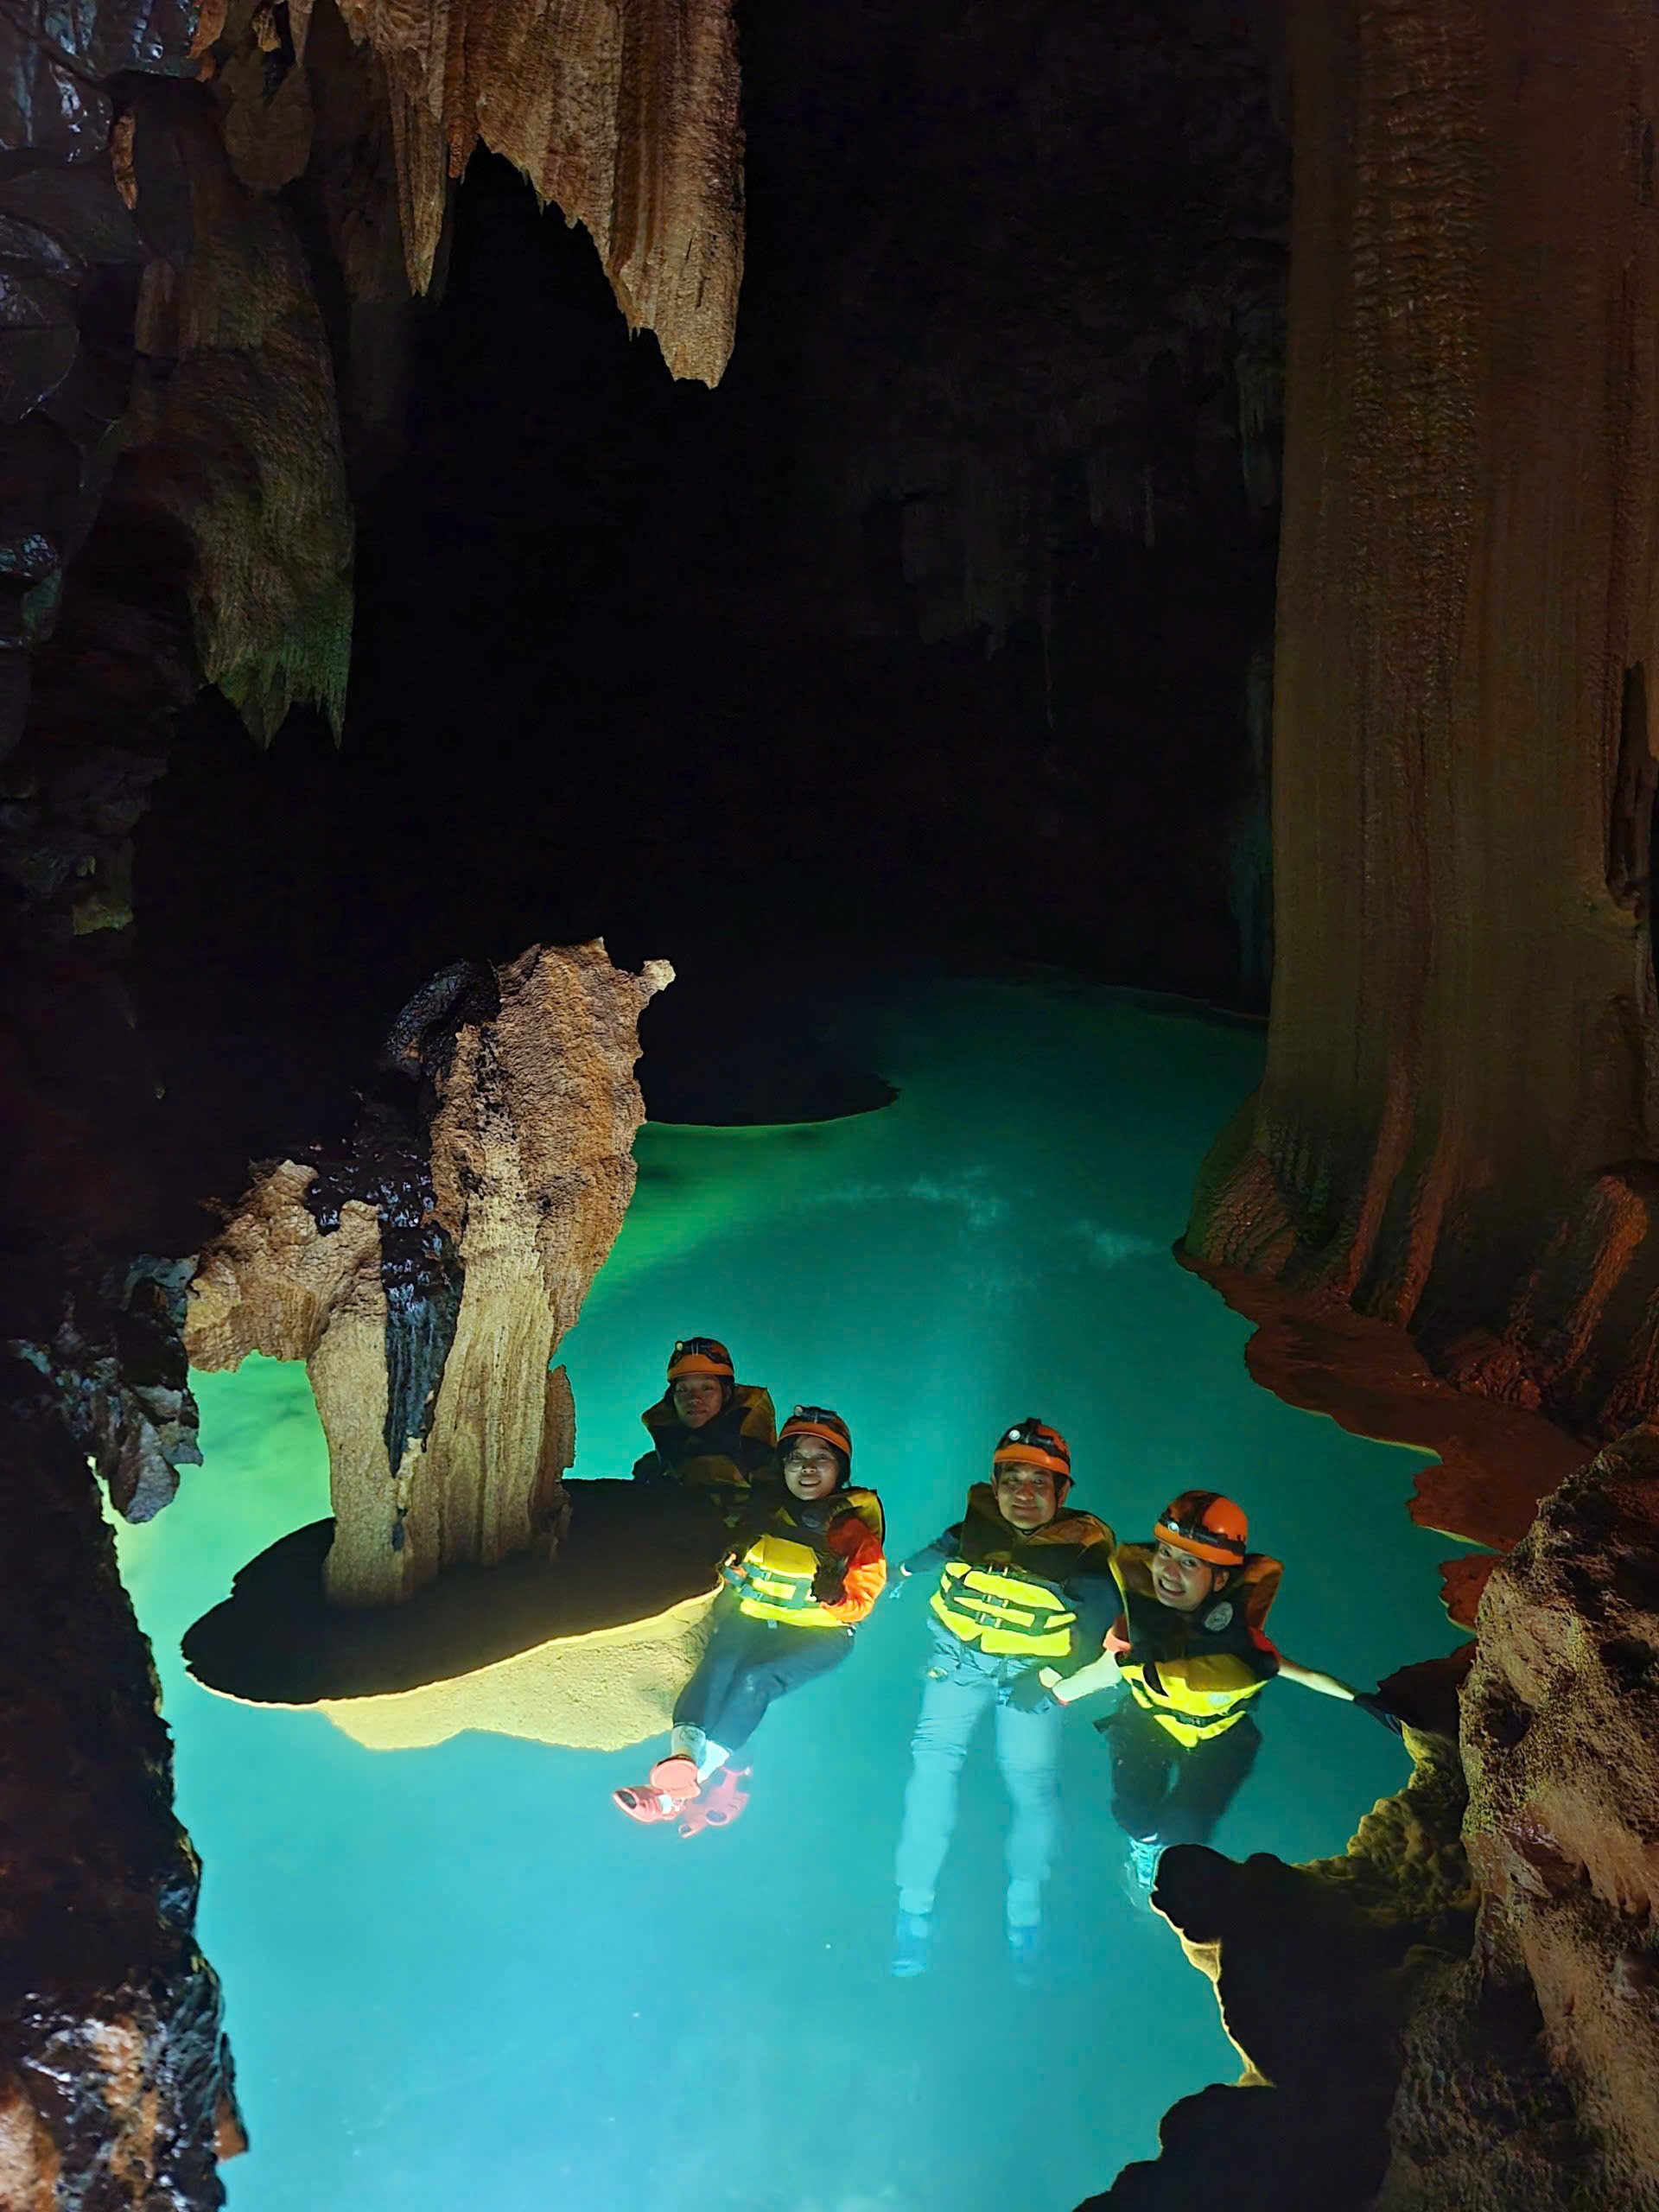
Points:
x=810, y=1468
x=1182, y=1582
x=1027, y=1496
x=696, y=1398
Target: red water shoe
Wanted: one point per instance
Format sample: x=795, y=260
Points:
x=672, y=1787
x=720, y=1804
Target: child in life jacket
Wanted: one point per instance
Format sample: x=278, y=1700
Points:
x=1190, y=1646
x=1024, y=1585
x=709, y=1434
x=806, y=1568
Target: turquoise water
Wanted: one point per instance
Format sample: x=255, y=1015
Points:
x=457, y=1976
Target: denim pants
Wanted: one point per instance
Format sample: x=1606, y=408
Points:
x=959, y=1691
x=745, y=1665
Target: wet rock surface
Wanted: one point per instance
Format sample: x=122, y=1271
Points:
x=115, y=2081
x=276, y=1640
x=1496, y=1462
x=1560, y=1733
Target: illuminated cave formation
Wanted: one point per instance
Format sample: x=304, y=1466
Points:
x=1034, y=348
x=427, y=1276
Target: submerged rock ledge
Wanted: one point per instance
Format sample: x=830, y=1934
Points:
x=1498, y=1462
x=587, y=1649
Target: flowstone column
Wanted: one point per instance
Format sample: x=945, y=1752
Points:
x=1456, y=1129
x=427, y=1275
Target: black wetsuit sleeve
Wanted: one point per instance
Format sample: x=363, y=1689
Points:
x=755, y=1457
x=932, y=1557
x=756, y=1514
x=1093, y=1596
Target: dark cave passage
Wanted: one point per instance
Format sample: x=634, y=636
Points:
x=637, y=658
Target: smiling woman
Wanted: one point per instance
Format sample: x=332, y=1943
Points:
x=454, y=1974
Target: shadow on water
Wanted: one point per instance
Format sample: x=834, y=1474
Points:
x=455, y=1975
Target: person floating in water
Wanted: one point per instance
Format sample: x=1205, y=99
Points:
x=807, y=1566
x=1190, y=1645
x=710, y=1433
x=1024, y=1584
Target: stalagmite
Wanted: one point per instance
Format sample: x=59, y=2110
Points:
x=427, y=1276
x=624, y=117
x=1456, y=1129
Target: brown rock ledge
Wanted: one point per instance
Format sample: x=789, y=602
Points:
x=1498, y=1461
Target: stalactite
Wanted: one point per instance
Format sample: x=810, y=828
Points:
x=625, y=118
x=236, y=436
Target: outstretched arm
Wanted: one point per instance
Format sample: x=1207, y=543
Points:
x=932, y=1557
x=1311, y=1678
x=1370, y=1701
x=1099, y=1675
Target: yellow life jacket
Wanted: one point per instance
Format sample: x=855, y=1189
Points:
x=1196, y=1673
x=782, y=1560
x=1003, y=1591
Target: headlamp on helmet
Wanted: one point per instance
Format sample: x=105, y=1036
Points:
x=1032, y=1443
x=700, y=1356
x=1212, y=1528
x=820, y=1421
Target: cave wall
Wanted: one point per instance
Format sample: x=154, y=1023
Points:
x=1456, y=1129
x=116, y=2086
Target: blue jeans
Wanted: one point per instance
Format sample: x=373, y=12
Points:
x=746, y=1664
x=960, y=1688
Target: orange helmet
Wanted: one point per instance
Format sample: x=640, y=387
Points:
x=1032, y=1443
x=700, y=1356
x=819, y=1422
x=1206, y=1524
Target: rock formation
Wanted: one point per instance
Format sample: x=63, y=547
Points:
x=626, y=117
x=1494, y=1463
x=235, y=436
x=189, y=368
x=1041, y=429
x=114, y=2082
x=1560, y=1739
x=173, y=396
x=427, y=1275
x=1457, y=1126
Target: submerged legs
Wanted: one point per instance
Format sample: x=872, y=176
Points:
x=950, y=1712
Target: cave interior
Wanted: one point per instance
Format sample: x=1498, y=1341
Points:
x=1153, y=500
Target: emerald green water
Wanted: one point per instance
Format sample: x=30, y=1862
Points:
x=457, y=1976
